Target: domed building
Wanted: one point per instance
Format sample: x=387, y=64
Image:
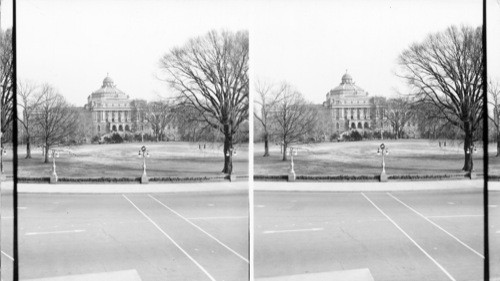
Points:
x=351, y=107
x=113, y=111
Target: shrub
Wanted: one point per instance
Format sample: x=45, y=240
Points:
x=355, y=136
x=334, y=136
x=95, y=139
x=128, y=138
x=367, y=135
x=116, y=138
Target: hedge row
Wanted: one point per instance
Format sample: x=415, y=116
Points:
x=122, y=180
x=362, y=177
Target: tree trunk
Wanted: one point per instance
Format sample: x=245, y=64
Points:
x=266, y=144
x=28, y=148
x=285, y=146
x=468, y=164
x=46, y=153
x=498, y=143
x=228, y=144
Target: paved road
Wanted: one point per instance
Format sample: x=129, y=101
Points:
x=410, y=235
x=162, y=236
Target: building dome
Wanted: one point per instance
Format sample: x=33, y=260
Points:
x=347, y=88
x=107, y=82
x=346, y=78
x=108, y=90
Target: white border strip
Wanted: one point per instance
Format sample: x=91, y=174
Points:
x=436, y=225
x=170, y=238
x=9, y=257
x=199, y=228
x=408, y=236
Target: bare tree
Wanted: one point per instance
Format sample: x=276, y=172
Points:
x=268, y=95
x=211, y=72
x=399, y=113
x=55, y=120
x=28, y=101
x=446, y=70
x=6, y=79
x=158, y=115
x=293, y=116
x=494, y=100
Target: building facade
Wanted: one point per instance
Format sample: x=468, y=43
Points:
x=113, y=111
x=352, y=108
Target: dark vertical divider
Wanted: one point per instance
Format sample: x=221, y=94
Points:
x=14, y=141
x=485, y=149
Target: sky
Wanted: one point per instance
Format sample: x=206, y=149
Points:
x=493, y=38
x=311, y=44
x=6, y=14
x=72, y=45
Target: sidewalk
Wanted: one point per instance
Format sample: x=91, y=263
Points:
x=375, y=186
x=257, y=186
x=236, y=187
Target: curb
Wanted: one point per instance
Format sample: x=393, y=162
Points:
x=222, y=187
x=441, y=185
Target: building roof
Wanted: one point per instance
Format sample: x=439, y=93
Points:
x=108, y=90
x=347, y=87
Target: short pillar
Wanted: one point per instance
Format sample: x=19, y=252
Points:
x=383, y=177
x=144, y=179
x=53, y=178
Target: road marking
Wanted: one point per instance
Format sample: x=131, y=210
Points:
x=199, y=228
x=170, y=238
x=456, y=216
x=259, y=206
x=9, y=257
x=22, y=208
x=55, y=232
x=219, y=218
x=436, y=225
x=293, y=230
x=7, y=218
x=408, y=236
x=492, y=206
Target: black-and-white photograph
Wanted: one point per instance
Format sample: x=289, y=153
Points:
x=267, y=140
x=132, y=142
x=368, y=141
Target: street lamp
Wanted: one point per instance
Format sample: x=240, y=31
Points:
x=144, y=153
x=384, y=151
x=471, y=150
x=53, y=154
x=230, y=153
x=292, y=151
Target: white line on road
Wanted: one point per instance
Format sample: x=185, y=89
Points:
x=170, y=238
x=9, y=257
x=456, y=216
x=219, y=218
x=7, y=218
x=408, y=236
x=436, y=225
x=199, y=228
x=55, y=232
x=292, y=230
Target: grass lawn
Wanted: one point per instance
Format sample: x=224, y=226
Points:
x=360, y=158
x=121, y=160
